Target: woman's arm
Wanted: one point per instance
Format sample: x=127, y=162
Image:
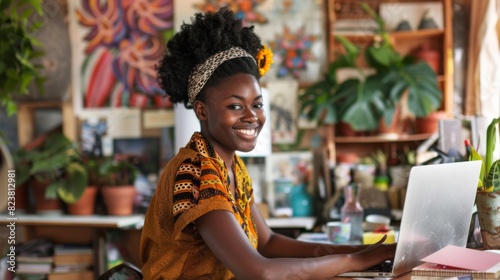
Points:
x=222, y=233
x=274, y=245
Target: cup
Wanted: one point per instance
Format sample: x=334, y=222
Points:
x=374, y=222
x=338, y=232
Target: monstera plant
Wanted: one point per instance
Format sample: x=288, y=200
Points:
x=363, y=100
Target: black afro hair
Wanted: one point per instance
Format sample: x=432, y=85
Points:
x=207, y=35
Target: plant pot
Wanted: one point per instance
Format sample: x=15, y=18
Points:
x=119, y=200
x=43, y=205
x=345, y=129
x=395, y=128
x=488, y=211
x=85, y=205
x=429, y=124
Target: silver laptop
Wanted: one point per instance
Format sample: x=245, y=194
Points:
x=437, y=212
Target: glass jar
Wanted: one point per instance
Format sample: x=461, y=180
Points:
x=352, y=212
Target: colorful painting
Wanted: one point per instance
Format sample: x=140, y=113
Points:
x=293, y=51
x=244, y=9
x=292, y=28
x=115, y=47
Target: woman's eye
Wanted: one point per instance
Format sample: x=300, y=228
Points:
x=259, y=106
x=235, y=107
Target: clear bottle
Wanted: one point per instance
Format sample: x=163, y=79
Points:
x=352, y=212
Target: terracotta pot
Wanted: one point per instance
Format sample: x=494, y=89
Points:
x=488, y=211
x=43, y=205
x=429, y=55
x=429, y=124
x=344, y=129
x=119, y=200
x=395, y=128
x=85, y=205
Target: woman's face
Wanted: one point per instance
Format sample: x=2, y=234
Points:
x=233, y=114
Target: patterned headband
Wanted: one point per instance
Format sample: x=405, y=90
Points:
x=202, y=72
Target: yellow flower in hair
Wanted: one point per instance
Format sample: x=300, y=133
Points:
x=264, y=60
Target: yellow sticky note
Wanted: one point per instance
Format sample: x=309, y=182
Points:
x=372, y=237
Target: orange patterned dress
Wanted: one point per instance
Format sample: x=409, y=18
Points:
x=194, y=183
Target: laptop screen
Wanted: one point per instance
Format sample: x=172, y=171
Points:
x=437, y=211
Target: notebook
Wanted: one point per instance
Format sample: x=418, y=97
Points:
x=437, y=213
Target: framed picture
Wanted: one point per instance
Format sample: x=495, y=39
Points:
x=142, y=152
x=92, y=134
x=115, y=45
x=289, y=167
x=283, y=97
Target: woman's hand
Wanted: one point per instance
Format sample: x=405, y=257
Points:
x=373, y=255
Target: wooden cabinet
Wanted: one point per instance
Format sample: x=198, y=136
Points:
x=405, y=42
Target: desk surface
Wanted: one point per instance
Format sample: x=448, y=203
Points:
x=306, y=223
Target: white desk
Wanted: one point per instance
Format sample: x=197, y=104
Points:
x=306, y=223
x=104, y=221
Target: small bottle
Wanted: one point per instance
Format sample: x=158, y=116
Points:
x=352, y=212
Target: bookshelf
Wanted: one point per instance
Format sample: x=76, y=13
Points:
x=83, y=230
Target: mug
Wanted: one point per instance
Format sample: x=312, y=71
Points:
x=338, y=232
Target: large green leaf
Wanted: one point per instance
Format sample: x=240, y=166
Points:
x=318, y=102
x=363, y=104
x=492, y=182
x=424, y=95
x=74, y=184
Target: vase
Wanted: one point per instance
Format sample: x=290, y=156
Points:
x=488, y=211
x=85, y=205
x=301, y=201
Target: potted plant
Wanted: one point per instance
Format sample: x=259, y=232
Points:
x=18, y=51
x=57, y=171
x=363, y=101
x=86, y=203
x=118, y=188
x=488, y=192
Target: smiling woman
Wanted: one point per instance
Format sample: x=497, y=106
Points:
x=202, y=221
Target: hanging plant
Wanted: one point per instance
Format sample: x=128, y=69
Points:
x=19, y=20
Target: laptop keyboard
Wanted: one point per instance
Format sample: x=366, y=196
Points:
x=382, y=267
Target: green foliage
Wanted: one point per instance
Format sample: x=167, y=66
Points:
x=363, y=101
x=489, y=178
x=117, y=172
x=18, y=49
x=58, y=161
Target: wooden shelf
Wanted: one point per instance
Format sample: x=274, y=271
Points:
x=383, y=139
x=95, y=221
x=417, y=34
x=397, y=35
